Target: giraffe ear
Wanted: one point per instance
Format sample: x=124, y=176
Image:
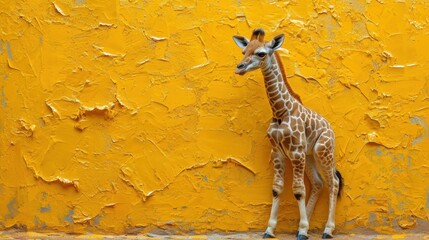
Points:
x=277, y=42
x=241, y=41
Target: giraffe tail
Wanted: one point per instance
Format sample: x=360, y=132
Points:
x=341, y=185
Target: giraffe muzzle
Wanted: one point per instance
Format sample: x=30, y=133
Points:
x=241, y=69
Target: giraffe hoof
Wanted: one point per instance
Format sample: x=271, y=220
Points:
x=266, y=235
x=301, y=237
x=326, y=236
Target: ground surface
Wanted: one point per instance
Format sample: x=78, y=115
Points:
x=244, y=236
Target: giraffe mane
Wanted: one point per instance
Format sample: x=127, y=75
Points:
x=282, y=70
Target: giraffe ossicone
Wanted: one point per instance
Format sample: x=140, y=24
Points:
x=296, y=133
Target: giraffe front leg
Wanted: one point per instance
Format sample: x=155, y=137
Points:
x=298, y=188
x=278, y=184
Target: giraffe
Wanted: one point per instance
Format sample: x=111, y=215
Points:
x=296, y=133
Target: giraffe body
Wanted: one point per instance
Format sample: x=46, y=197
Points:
x=296, y=133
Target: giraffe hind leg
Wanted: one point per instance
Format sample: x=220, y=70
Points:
x=316, y=185
x=324, y=153
x=327, y=233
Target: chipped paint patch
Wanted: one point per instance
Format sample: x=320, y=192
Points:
x=416, y=120
x=12, y=209
x=3, y=97
x=69, y=217
x=45, y=209
x=9, y=51
x=97, y=220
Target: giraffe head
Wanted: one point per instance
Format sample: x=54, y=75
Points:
x=256, y=52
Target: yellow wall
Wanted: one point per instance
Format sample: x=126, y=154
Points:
x=126, y=116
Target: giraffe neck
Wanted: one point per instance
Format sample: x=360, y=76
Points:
x=281, y=97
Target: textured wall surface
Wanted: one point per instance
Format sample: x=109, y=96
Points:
x=126, y=116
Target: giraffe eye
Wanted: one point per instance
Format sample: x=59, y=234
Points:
x=261, y=54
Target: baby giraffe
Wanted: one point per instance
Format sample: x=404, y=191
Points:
x=296, y=133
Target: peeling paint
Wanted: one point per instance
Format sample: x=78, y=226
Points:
x=45, y=209
x=425, y=133
x=69, y=217
x=9, y=51
x=125, y=115
x=12, y=209
x=3, y=97
x=59, y=10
